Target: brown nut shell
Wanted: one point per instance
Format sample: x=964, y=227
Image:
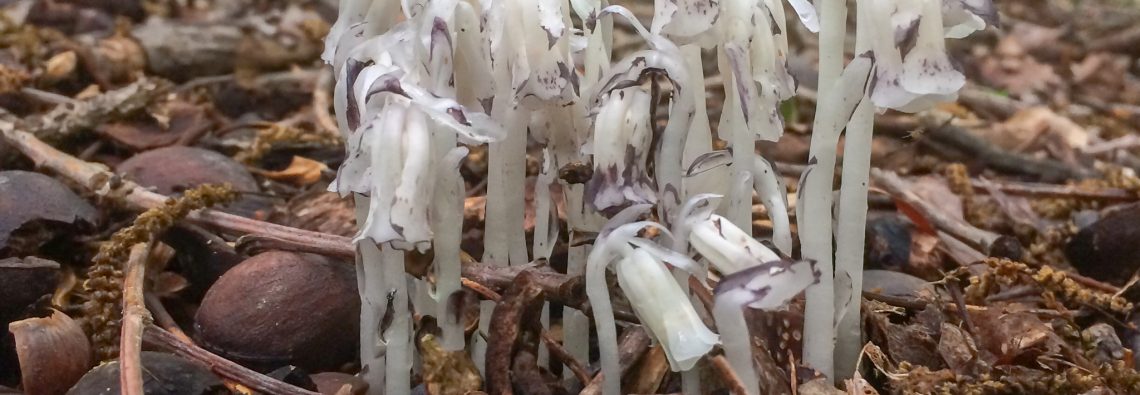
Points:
x=164, y=374
x=280, y=308
x=26, y=197
x=53, y=353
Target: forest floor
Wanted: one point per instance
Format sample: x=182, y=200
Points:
x=1003, y=241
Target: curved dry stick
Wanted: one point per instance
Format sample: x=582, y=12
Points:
x=134, y=313
x=223, y=367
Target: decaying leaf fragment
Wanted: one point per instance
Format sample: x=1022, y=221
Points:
x=447, y=372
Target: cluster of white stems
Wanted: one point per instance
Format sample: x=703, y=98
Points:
x=417, y=81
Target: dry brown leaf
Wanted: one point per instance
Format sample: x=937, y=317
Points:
x=302, y=171
x=447, y=372
x=957, y=349
x=1011, y=68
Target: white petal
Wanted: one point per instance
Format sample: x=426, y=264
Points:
x=665, y=309
x=727, y=247
x=767, y=286
x=927, y=68
x=409, y=211
x=807, y=13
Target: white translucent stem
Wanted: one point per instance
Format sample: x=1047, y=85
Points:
x=851, y=230
x=850, y=236
x=737, y=344
x=543, y=243
x=575, y=324
x=773, y=194
x=743, y=148
x=372, y=301
x=700, y=135
x=690, y=379
x=505, y=239
x=599, y=296
x=398, y=336
x=832, y=36
x=478, y=341
x=446, y=219
x=816, y=232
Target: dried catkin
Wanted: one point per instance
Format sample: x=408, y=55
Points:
x=103, y=309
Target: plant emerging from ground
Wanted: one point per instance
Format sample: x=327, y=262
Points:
x=419, y=81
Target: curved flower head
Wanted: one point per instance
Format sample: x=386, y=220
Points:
x=390, y=101
x=665, y=309
x=728, y=248
x=622, y=135
x=659, y=302
x=913, y=70
x=768, y=285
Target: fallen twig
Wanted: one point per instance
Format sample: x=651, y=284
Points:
x=731, y=380
x=996, y=158
x=991, y=243
x=67, y=119
x=223, y=367
x=552, y=345
x=514, y=312
x=134, y=315
x=633, y=343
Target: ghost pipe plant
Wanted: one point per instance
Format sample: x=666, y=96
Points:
x=659, y=302
x=753, y=276
x=401, y=132
x=921, y=79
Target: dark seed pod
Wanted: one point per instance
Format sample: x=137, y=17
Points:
x=165, y=374
x=1108, y=250
x=281, y=308
x=28, y=198
x=174, y=169
x=23, y=282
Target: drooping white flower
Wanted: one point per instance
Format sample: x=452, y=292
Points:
x=913, y=70
x=390, y=100
x=665, y=309
x=661, y=305
x=622, y=135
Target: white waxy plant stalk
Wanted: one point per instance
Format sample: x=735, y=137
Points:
x=852, y=222
x=816, y=228
x=579, y=219
x=925, y=78
x=814, y=208
x=765, y=286
x=393, y=102
x=773, y=195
